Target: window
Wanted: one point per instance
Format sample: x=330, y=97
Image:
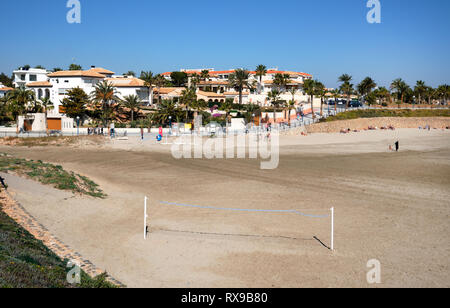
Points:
x=66, y=81
x=62, y=91
x=22, y=77
x=33, y=78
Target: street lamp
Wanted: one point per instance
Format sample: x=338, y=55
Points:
x=253, y=119
x=170, y=124
x=78, y=125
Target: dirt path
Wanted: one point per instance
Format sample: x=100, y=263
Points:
x=389, y=206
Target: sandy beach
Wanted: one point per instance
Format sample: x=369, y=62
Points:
x=389, y=206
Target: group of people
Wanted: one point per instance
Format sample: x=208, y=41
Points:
x=95, y=130
x=390, y=127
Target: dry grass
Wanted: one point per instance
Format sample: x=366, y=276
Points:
x=50, y=141
x=51, y=174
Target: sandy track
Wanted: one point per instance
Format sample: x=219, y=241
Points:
x=389, y=206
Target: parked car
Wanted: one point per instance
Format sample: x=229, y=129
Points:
x=355, y=104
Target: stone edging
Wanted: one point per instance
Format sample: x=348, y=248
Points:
x=14, y=210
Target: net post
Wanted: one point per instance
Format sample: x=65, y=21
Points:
x=332, y=229
x=145, y=217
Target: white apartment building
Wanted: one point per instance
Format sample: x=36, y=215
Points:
x=57, y=84
x=23, y=76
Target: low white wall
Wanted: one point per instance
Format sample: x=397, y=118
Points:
x=8, y=129
x=38, y=122
x=237, y=124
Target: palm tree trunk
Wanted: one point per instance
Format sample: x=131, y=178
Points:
x=321, y=106
x=150, y=95
x=46, y=122
x=312, y=107
x=260, y=84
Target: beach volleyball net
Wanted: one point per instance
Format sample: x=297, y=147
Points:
x=210, y=218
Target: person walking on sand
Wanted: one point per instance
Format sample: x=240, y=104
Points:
x=397, y=146
x=142, y=133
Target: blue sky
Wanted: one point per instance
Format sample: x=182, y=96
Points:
x=323, y=37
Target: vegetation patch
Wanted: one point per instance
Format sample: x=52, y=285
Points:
x=48, y=141
x=388, y=113
x=26, y=262
x=51, y=175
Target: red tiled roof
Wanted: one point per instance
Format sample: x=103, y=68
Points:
x=76, y=74
x=210, y=94
x=126, y=82
x=101, y=71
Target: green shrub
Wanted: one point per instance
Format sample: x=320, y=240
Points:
x=51, y=175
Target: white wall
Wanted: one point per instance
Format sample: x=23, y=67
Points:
x=41, y=75
x=142, y=93
x=38, y=123
x=67, y=83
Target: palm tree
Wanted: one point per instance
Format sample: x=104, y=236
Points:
x=260, y=72
x=320, y=91
x=149, y=80
x=132, y=102
x=204, y=75
x=167, y=109
x=195, y=80
x=383, y=94
x=429, y=94
x=366, y=86
x=34, y=107
x=400, y=87
x=105, y=94
x=227, y=106
x=188, y=98
x=293, y=91
x=159, y=81
x=273, y=98
x=47, y=105
x=18, y=101
x=420, y=89
x=281, y=80
x=336, y=94
x=346, y=86
x=309, y=86
x=240, y=80
x=291, y=104
x=443, y=91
